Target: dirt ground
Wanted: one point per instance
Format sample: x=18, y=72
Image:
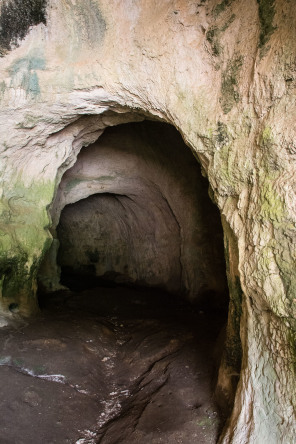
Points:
x=110, y=365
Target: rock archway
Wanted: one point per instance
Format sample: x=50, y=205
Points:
x=135, y=205
x=224, y=76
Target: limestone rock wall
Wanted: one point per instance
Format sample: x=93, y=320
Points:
x=223, y=74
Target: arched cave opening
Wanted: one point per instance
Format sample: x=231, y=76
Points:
x=141, y=253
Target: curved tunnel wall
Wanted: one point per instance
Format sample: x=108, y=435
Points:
x=122, y=239
x=135, y=208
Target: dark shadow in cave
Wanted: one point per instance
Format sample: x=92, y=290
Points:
x=141, y=252
x=135, y=210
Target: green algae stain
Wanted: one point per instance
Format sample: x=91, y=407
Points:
x=23, y=73
x=221, y=134
x=266, y=16
x=2, y=88
x=30, y=62
x=24, y=239
x=221, y=7
x=266, y=136
x=228, y=23
x=33, y=85
x=212, y=37
x=272, y=206
x=229, y=85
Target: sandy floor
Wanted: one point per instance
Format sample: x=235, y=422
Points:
x=109, y=365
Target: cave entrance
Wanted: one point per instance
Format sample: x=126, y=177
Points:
x=135, y=209
x=141, y=253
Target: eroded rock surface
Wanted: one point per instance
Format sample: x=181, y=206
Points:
x=224, y=75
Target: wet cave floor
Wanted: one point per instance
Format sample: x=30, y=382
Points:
x=110, y=365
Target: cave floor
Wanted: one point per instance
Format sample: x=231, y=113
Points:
x=110, y=365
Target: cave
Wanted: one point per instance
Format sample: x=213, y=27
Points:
x=135, y=284
x=136, y=208
x=195, y=208
x=139, y=245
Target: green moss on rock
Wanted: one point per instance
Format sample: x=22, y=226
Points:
x=272, y=206
x=228, y=23
x=229, y=85
x=221, y=135
x=266, y=16
x=212, y=37
x=221, y=7
x=23, y=242
x=2, y=89
x=24, y=75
